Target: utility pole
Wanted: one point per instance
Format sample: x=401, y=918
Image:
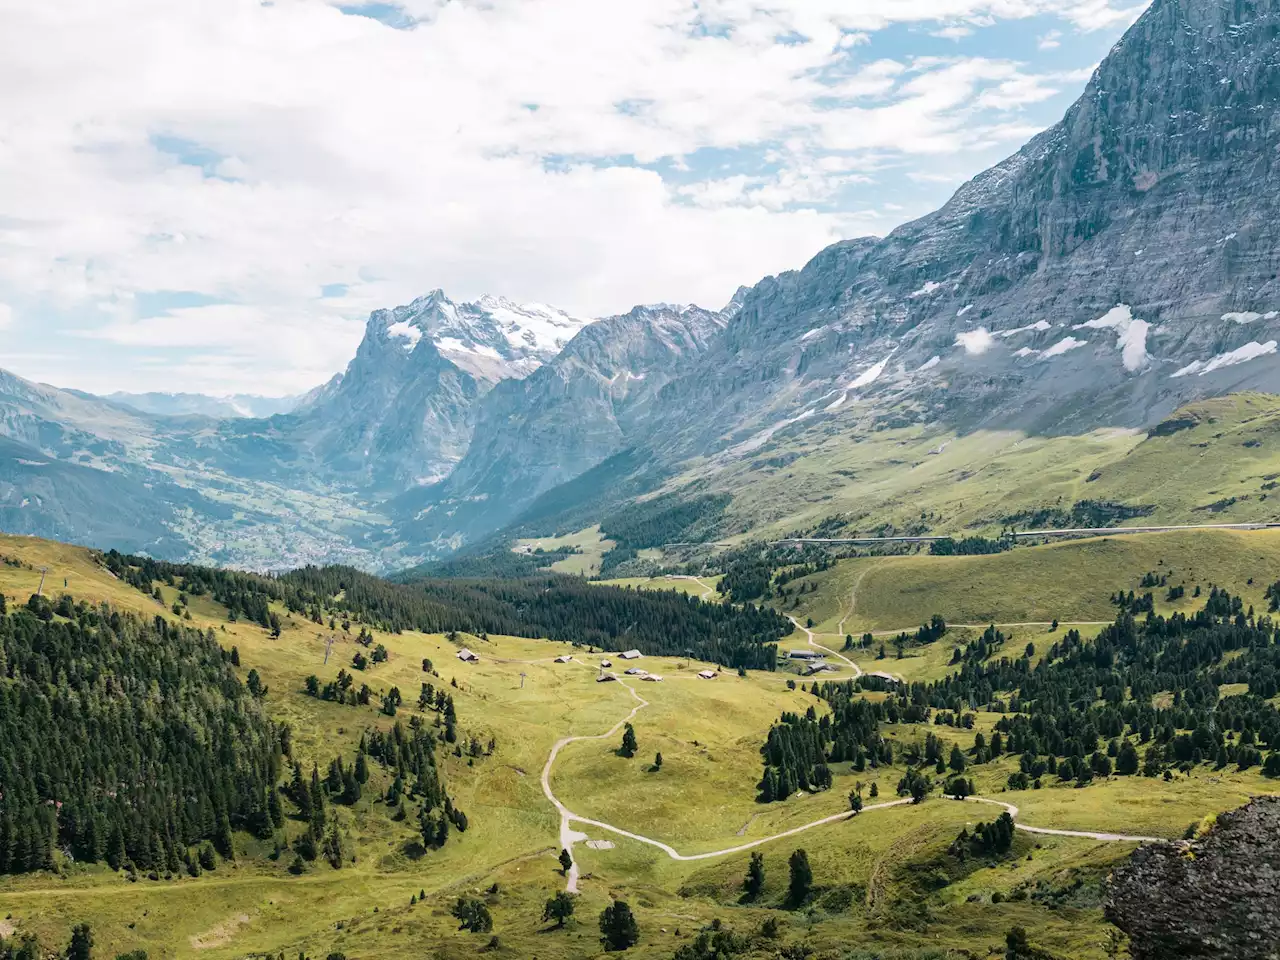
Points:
x=40, y=589
x=522, y=676
x=328, y=645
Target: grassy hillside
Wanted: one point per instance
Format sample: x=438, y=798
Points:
x=1068, y=581
x=876, y=876
x=1211, y=461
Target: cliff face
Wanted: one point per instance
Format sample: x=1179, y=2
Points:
x=1219, y=897
x=1120, y=263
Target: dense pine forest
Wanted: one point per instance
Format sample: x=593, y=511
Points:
x=550, y=606
x=124, y=740
x=1141, y=699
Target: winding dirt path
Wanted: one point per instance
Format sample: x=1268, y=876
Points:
x=569, y=836
x=707, y=589
x=857, y=670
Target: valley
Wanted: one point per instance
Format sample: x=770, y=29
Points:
x=921, y=602
x=701, y=803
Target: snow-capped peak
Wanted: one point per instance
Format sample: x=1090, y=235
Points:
x=492, y=338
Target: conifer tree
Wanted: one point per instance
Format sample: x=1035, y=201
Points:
x=753, y=883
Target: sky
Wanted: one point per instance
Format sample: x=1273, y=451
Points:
x=212, y=197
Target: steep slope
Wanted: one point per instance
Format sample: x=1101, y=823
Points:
x=70, y=425
x=1122, y=262
x=46, y=497
x=566, y=418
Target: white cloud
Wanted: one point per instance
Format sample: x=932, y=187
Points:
x=255, y=152
x=975, y=342
x=1051, y=40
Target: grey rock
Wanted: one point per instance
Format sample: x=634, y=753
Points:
x=1218, y=897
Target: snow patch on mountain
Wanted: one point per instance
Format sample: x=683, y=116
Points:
x=491, y=338
x=929, y=364
x=1038, y=327
x=870, y=375
x=1250, y=351
x=1065, y=345
x=1131, y=335
x=1243, y=316
x=764, y=436
x=536, y=326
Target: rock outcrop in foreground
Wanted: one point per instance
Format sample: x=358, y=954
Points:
x=1217, y=897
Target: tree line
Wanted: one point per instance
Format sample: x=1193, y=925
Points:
x=551, y=606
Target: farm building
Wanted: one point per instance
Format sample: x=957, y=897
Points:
x=564, y=659
x=818, y=667
x=466, y=656
x=707, y=674
x=806, y=655
x=631, y=655
x=652, y=677
x=605, y=677
x=886, y=677
x=606, y=663
x=637, y=671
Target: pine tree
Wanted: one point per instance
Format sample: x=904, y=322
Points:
x=275, y=809
x=566, y=861
x=473, y=915
x=753, y=883
x=81, y=945
x=801, y=881
x=629, y=744
x=618, y=927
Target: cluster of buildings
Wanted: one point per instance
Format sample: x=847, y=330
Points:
x=467, y=656
x=814, y=661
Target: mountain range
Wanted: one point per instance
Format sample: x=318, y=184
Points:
x=1121, y=264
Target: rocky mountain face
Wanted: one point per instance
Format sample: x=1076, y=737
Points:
x=1216, y=897
x=567, y=417
x=1122, y=262
x=403, y=412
